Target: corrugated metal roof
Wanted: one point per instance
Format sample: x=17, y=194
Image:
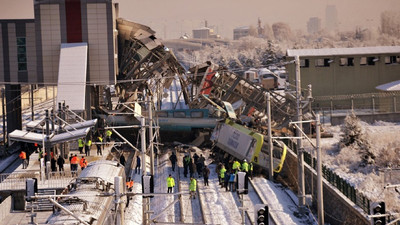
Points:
x=72, y=75
x=344, y=51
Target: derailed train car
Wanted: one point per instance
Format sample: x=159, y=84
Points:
x=244, y=143
x=90, y=197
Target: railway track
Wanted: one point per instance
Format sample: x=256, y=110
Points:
x=191, y=210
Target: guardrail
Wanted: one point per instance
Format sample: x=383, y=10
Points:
x=16, y=180
x=342, y=185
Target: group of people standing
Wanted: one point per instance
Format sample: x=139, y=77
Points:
x=74, y=161
x=195, y=166
x=228, y=178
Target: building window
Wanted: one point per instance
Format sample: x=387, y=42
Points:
x=363, y=61
x=179, y=114
x=346, y=62
x=21, y=54
x=196, y=114
x=371, y=61
x=304, y=63
x=323, y=62
x=393, y=59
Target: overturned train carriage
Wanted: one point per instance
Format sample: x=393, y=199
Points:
x=244, y=143
x=90, y=197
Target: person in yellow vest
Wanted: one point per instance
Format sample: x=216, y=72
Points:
x=192, y=187
x=222, y=175
x=87, y=147
x=236, y=166
x=245, y=166
x=108, y=135
x=80, y=145
x=251, y=170
x=98, y=145
x=170, y=183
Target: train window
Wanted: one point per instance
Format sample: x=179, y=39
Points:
x=179, y=114
x=162, y=114
x=196, y=114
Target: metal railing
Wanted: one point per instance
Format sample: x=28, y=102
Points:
x=16, y=180
x=341, y=184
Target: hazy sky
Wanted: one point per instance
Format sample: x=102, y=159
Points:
x=172, y=18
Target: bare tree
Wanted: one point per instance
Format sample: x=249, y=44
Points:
x=390, y=23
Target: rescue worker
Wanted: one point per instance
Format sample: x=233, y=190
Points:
x=122, y=159
x=245, y=166
x=222, y=175
x=236, y=166
x=217, y=170
x=80, y=145
x=170, y=183
x=251, y=170
x=87, y=147
x=232, y=181
x=22, y=156
x=206, y=173
x=108, y=135
x=60, y=163
x=129, y=184
x=74, y=164
x=192, y=187
x=173, y=160
x=186, y=162
x=137, y=168
x=98, y=145
x=83, y=163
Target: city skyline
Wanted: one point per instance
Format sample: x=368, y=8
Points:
x=171, y=19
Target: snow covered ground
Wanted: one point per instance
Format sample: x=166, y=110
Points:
x=218, y=205
x=385, y=144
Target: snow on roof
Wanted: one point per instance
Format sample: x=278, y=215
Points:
x=344, y=51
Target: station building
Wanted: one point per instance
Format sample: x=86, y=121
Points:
x=73, y=41
x=345, y=71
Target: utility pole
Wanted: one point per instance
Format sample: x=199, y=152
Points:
x=33, y=112
x=150, y=100
x=143, y=146
x=270, y=146
x=319, y=174
x=300, y=155
x=3, y=94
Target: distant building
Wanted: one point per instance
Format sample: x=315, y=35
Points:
x=314, y=25
x=344, y=71
x=331, y=18
x=241, y=32
x=202, y=33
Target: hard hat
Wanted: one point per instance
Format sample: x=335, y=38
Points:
x=244, y=160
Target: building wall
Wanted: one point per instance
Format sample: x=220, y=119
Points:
x=1, y=54
x=12, y=55
x=342, y=80
x=98, y=42
x=51, y=41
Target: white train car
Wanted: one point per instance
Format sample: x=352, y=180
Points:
x=84, y=200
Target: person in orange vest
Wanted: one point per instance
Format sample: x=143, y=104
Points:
x=22, y=156
x=83, y=163
x=129, y=184
x=74, y=164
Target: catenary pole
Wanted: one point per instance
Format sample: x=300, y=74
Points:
x=319, y=174
x=300, y=156
x=270, y=146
